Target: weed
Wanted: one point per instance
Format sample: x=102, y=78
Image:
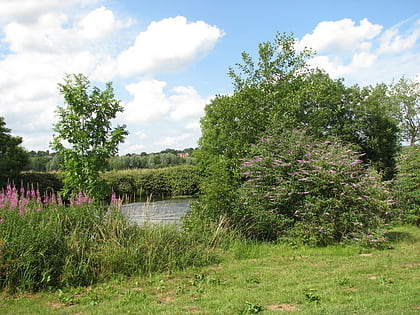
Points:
x=251, y=308
x=312, y=297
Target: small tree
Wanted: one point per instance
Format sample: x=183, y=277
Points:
x=406, y=95
x=84, y=137
x=13, y=157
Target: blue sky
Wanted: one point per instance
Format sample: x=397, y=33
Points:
x=168, y=59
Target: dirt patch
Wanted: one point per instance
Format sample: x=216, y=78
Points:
x=283, y=307
x=166, y=299
x=373, y=278
x=55, y=305
x=351, y=290
x=412, y=265
x=366, y=255
x=192, y=309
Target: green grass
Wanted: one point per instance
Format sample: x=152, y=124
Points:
x=257, y=278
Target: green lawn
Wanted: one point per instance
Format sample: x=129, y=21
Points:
x=258, y=278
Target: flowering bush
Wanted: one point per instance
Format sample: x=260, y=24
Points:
x=317, y=191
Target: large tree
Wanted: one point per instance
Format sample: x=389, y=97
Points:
x=278, y=93
x=84, y=135
x=13, y=157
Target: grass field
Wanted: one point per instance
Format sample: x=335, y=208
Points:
x=257, y=278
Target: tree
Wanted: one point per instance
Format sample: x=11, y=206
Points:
x=406, y=95
x=279, y=92
x=85, y=127
x=13, y=157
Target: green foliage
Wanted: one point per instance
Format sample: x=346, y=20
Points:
x=278, y=92
x=173, y=181
x=406, y=96
x=85, y=124
x=376, y=129
x=406, y=186
x=319, y=192
x=46, y=183
x=148, y=161
x=47, y=245
x=13, y=157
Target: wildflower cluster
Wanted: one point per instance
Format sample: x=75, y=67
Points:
x=318, y=189
x=24, y=200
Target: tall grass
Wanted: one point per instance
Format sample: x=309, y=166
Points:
x=46, y=244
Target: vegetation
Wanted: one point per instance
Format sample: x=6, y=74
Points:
x=45, y=161
x=257, y=278
x=13, y=157
x=406, y=96
x=316, y=192
x=85, y=124
x=406, y=186
x=272, y=98
x=45, y=244
x=164, y=182
x=165, y=158
x=293, y=157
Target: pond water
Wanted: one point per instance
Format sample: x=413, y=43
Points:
x=161, y=211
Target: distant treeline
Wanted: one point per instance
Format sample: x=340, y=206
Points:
x=44, y=161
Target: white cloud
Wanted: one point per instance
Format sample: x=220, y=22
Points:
x=30, y=10
x=187, y=103
x=392, y=41
x=341, y=36
x=100, y=23
x=151, y=102
x=364, y=54
x=175, y=142
x=168, y=45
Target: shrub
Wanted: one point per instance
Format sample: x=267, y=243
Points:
x=406, y=186
x=319, y=192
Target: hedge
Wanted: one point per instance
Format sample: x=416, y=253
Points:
x=134, y=183
x=172, y=181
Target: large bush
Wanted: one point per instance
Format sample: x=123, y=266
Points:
x=316, y=191
x=406, y=186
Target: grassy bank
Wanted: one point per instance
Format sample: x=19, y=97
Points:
x=257, y=278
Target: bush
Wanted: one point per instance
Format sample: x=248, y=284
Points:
x=318, y=192
x=406, y=186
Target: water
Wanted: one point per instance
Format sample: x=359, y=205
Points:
x=162, y=211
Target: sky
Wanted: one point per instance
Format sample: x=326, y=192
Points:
x=167, y=59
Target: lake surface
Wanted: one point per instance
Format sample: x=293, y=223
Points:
x=162, y=211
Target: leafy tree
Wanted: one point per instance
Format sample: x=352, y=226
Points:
x=279, y=92
x=85, y=127
x=13, y=157
x=374, y=127
x=406, y=186
x=406, y=95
